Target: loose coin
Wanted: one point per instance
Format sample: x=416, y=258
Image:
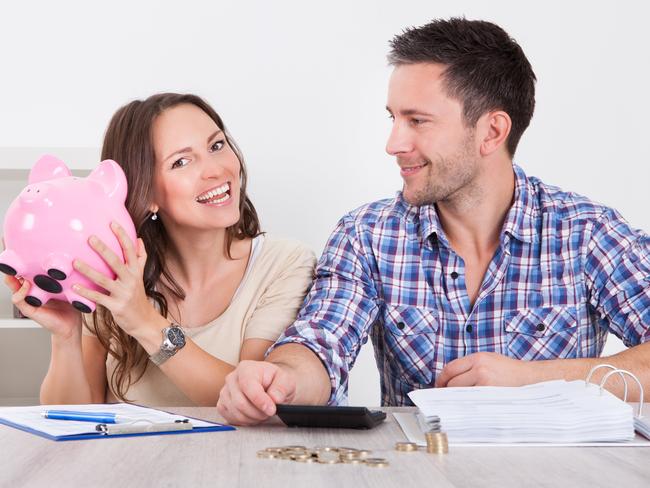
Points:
x=301, y=457
x=328, y=457
x=277, y=450
x=349, y=455
x=363, y=454
x=307, y=460
x=267, y=455
x=352, y=461
x=347, y=450
x=376, y=462
x=326, y=449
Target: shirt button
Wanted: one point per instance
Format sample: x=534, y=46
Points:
x=454, y=275
x=469, y=328
x=400, y=325
x=541, y=327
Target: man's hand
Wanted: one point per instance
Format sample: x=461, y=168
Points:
x=487, y=369
x=252, y=390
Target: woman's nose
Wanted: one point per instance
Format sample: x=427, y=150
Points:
x=212, y=167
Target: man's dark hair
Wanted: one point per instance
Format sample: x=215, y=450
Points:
x=486, y=68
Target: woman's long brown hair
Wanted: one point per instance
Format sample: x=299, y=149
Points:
x=129, y=142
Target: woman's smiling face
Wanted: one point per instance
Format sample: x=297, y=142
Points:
x=196, y=183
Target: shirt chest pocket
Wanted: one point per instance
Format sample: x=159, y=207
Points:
x=542, y=333
x=412, y=350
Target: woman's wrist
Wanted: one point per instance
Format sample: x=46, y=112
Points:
x=149, y=334
x=72, y=336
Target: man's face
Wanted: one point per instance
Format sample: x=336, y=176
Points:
x=436, y=152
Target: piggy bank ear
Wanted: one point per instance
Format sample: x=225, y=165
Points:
x=112, y=178
x=48, y=168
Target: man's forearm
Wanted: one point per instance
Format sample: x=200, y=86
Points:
x=636, y=360
x=313, y=385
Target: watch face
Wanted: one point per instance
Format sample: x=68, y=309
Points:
x=176, y=336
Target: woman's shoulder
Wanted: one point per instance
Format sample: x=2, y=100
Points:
x=279, y=247
x=285, y=251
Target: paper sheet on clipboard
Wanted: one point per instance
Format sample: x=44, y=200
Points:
x=29, y=419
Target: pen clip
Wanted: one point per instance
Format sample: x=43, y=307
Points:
x=143, y=426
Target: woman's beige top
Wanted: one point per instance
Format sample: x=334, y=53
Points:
x=276, y=280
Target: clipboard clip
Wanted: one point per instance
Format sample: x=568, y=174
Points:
x=622, y=373
x=142, y=426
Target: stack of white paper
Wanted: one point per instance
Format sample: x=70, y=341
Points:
x=553, y=411
x=642, y=426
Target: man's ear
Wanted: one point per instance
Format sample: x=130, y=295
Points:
x=495, y=127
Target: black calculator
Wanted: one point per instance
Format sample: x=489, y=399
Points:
x=331, y=417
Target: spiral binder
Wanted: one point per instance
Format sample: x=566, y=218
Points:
x=641, y=424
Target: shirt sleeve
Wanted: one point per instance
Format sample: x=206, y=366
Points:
x=618, y=277
x=340, y=308
x=279, y=304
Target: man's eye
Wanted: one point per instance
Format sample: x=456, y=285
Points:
x=217, y=145
x=391, y=117
x=179, y=163
x=417, y=121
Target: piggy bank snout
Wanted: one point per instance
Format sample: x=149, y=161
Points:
x=33, y=193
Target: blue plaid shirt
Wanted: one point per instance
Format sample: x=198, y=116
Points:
x=567, y=272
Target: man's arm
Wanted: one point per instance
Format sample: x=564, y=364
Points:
x=310, y=362
x=291, y=374
x=492, y=369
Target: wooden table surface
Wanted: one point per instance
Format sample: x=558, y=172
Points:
x=228, y=459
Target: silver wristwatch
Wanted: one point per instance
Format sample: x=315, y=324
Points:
x=173, y=341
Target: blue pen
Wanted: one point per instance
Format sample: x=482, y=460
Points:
x=97, y=417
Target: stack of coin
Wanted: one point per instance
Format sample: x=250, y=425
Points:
x=406, y=446
x=323, y=455
x=437, y=442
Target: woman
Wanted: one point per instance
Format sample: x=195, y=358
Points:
x=200, y=262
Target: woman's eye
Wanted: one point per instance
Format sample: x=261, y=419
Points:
x=217, y=145
x=179, y=163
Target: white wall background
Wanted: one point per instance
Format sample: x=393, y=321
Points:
x=301, y=86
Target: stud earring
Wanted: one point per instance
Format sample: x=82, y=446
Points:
x=154, y=216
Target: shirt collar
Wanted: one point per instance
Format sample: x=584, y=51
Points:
x=520, y=220
x=425, y=217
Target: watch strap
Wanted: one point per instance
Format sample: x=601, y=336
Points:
x=161, y=356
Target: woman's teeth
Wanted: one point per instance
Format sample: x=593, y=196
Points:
x=217, y=195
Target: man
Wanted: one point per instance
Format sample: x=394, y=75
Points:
x=475, y=274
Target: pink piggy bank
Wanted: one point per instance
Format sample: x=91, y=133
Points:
x=48, y=225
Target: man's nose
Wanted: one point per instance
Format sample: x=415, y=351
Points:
x=399, y=141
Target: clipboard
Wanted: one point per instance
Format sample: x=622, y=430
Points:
x=146, y=421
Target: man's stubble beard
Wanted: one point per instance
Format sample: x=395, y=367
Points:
x=447, y=178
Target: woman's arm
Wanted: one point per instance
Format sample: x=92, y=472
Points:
x=77, y=372
x=66, y=380
x=198, y=374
